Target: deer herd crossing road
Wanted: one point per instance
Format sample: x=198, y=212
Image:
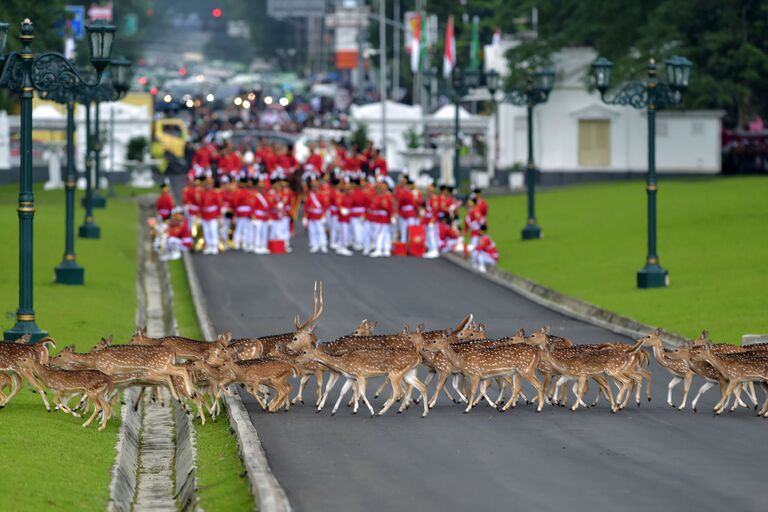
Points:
x=651, y=458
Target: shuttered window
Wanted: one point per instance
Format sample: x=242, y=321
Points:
x=594, y=143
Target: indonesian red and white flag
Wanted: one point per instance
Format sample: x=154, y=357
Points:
x=449, y=57
x=415, y=45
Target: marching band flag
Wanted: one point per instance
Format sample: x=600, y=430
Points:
x=449, y=57
x=415, y=45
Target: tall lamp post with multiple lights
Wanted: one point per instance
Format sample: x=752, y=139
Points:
x=23, y=72
x=69, y=271
x=109, y=91
x=535, y=90
x=461, y=82
x=651, y=95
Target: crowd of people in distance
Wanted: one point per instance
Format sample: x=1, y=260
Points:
x=251, y=199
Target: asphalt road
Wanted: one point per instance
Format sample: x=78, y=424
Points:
x=648, y=458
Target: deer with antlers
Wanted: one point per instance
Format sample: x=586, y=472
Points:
x=397, y=363
x=152, y=361
x=11, y=354
x=94, y=384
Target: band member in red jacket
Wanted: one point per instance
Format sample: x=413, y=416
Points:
x=243, y=206
x=473, y=220
x=360, y=200
x=262, y=209
x=164, y=203
x=430, y=221
x=485, y=253
x=210, y=211
x=191, y=198
x=178, y=236
x=449, y=236
x=315, y=208
x=382, y=208
x=286, y=201
x=408, y=201
x=344, y=206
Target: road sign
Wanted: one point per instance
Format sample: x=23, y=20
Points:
x=295, y=8
x=76, y=17
x=100, y=12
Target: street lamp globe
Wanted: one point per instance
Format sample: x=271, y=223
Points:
x=100, y=38
x=544, y=79
x=678, y=72
x=121, y=73
x=471, y=78
x=601, y=71
x=3, y=38
x=456, y=79
x=492, y=81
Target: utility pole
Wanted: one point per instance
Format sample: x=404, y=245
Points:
x=396, y=52
x=383, y=73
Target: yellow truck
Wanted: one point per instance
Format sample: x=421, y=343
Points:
x=169, y=141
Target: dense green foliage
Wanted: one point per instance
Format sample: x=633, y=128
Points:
x=711, y=239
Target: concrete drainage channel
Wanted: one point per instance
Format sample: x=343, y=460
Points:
x=155, y=463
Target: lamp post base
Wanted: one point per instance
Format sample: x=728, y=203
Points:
x=531, y=232
x=98, y=201
x=652, y=276
x=89, y=230
x=25, y=327
x=69, y=272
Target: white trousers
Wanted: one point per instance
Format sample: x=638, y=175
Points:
x=369, y=235
x=382, y=237
x=317, y=237
x=404, y=224
x=344, y=234
x=242, y=235
x=482, y=259
x=450, y=244
x=260, y=233
x=433, y=237
x=211, y=234
x=333, y=224
x=357, y=225
x=174, y=244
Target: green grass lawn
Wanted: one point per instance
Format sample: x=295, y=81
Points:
x=48, y=461
x=222, y=484
x=712, y=238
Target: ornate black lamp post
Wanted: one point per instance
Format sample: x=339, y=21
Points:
x=69, y=271
x=112, y=90
x=23, y=72
x=538, y=85
x=651, y=95
x=492, y=84
x=461, y=82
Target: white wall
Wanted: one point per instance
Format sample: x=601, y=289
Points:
x=129, y=121
x=5, y=142
x=686, y=141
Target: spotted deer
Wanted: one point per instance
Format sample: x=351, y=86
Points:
x=481, y=363
x=366, y=328
x=154, y=361
x=736, y=368
x=186, y=348
x=679, y=369
x=397, y=363
x=11, y=354
x=94, y=384
x=271, y=372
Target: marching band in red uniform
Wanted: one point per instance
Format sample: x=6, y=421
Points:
x=349, y=204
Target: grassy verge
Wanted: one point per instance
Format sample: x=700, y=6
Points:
x=48, y=461
x=713, y=239
x=222, y=485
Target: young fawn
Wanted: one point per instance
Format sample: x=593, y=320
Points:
x=94, y=384
x=11, y=354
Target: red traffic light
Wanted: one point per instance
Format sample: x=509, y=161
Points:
x=182, y=71
x=216, y=12
x=153, y=91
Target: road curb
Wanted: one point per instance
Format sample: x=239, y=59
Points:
x=568, y=306
x=269, y=495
